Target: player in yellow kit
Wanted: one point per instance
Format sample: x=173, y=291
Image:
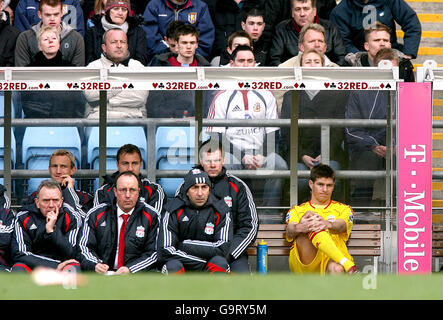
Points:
x=320, y=228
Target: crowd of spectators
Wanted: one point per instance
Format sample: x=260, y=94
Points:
x=182, y=33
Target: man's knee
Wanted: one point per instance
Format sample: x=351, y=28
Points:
x=240, y=265
x=217, y=264
x=334, y=268
x=20, y=267
x=173, y=267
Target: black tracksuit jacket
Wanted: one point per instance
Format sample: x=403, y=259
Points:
x=238, y=197
x=194, y=235
x=150, y=192
x=33, y=246
x=98, y=239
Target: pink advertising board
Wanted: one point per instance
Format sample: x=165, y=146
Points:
x=414, y=156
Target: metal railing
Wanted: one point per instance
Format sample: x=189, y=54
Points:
x=199, y=79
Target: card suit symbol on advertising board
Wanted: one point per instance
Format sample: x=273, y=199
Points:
x=247, y=85
x=75, y=86
x=124, y=86
x=131, y=86
x=388, y=86
x=382, y=86
x=47, y=86
x=333, y=85
x=69, y=85
x=216, y=86
x=326, y=84
x=161, y=85
x=40, y=85
x=155, y=85
x=241, y=84
x=296, y=85
x=302, y=86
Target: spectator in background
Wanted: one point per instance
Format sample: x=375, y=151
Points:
x=92, y=7
x=169, y=38
x=116, y=16
x=278, y=10
x=285, y=41
x=253, y=23
x=377, y=38
x=8, y=39
x=71, y=42
x=367, y=146
x=176, y=103
x=99, y=9
x=312, y=37
x=315, y=104
x=228, y=18
x=129, y=158
x=7, y=219
x=160, y=13
x=120, y=236
x=251, y=148
x=27, y=14
x=354, y=16
x=186, y=39
x=61, y=168
x=237, y=38
x=120, y=103
x=195, y=230
x=45, y=232
x=9, y=7
x=5, y=202
x=51, y=104
x=48, y=42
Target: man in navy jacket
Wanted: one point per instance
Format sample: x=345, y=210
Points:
x=160, y=13
x=353, y=16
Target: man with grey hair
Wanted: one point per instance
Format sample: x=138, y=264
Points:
x=286, y=36
x=45, y=232
x=121, y=103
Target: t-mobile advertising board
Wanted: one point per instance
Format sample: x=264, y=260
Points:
x=414, y=156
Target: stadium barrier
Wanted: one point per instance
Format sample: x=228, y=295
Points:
x=202, y=79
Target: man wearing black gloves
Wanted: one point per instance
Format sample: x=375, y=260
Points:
x=195, y=229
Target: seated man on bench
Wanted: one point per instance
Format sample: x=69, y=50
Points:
x=320, y=228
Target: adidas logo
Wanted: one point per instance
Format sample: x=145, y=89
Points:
x=236, y=108
x=33, y=227
x=103, y=224
x=185, y=219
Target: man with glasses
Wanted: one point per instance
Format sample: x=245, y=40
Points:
x=120, y=236
x=45, y=232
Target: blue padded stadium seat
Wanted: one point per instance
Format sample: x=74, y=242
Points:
x=2, y=150
x=115, y=138
x=39, y=143
x=175, y=147
x=170, y=185
x=174, y=142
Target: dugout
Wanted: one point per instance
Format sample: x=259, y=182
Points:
x=179, y=103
